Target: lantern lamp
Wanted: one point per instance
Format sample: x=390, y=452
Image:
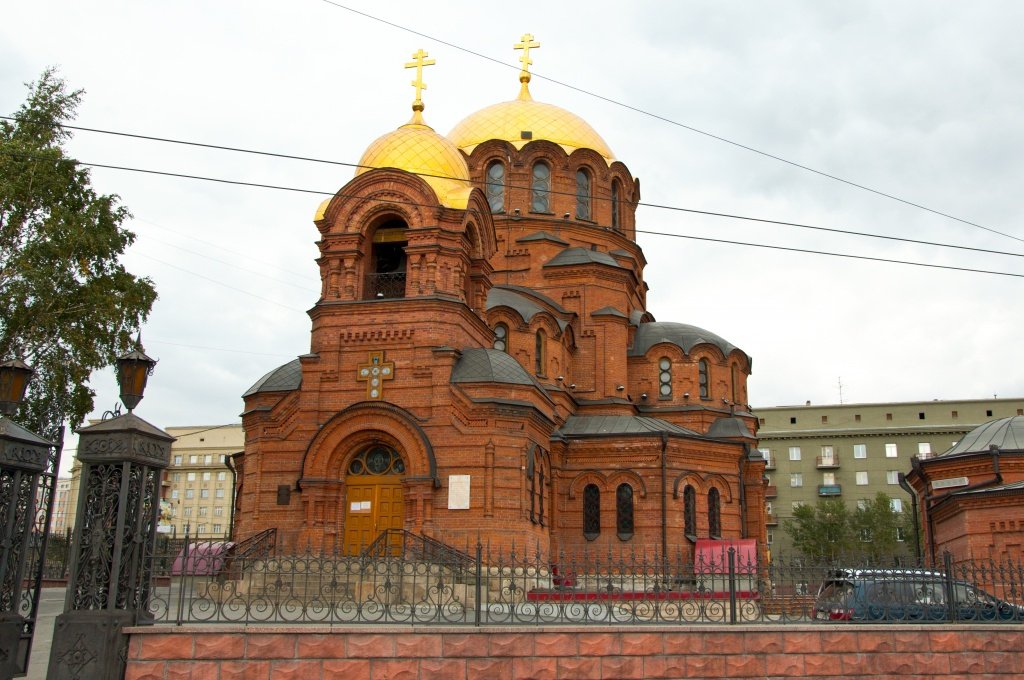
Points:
x=133, y=369
x=14, y=377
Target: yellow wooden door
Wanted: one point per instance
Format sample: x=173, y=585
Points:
x=373, y=505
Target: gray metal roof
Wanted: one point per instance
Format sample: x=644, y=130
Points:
x=581, y=426
x=490, y=365
x=729, y=426
x=1006, y=433
x=607, y=311
x=282, y=379
x=577, y=256
x=1013, y=486
x=680, y=334
x=524, y=302
x=542, y=236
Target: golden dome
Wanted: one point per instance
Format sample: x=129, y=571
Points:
x=509, y=120
x=416, y=148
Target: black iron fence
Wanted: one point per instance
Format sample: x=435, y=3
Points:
x=200, y=582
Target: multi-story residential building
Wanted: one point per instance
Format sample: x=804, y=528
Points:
x=198, y=485
x=62, y=506
x=853, y=451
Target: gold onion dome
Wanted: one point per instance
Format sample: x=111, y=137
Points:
x=523, y=120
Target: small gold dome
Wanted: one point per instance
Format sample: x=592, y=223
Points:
x=416, y=148
x=509, y=120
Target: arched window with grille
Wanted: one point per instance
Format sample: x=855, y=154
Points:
x=494, y=188
x=690, y=512
x=615, y=206
x=501, y=337
x=539, y=352
x=591, y=512
x=540, y=188
x=582, y=194
x=705, y=381
x=714, y=514
x=624, y=511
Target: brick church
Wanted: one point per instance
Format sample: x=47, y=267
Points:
x=483, y=363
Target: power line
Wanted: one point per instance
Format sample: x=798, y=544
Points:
x=656, y=206
x=670, y=121
x=742, y=243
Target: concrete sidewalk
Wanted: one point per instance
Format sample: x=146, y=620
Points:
x=51, y=603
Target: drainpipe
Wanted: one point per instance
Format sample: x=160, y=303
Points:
x=664, y=500
x=913, y=509
x=234, y=491
x=743, y=492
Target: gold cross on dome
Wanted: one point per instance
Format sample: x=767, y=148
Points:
x=525, y=45
x=419, y=61
x=374, y=372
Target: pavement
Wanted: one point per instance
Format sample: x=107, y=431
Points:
x=51, y=603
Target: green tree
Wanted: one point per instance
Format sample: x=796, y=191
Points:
x=877, y=525
x=822, y=531
x=67, y=304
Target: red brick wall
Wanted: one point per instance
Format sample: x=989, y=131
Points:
x=782, y=652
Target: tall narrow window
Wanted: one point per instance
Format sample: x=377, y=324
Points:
x=624, y=511
x=539, y=351
x=735, y=383
x=665, y=378
x=501, y=337
x=690, y=512
x=591, y=512
x=705, y=384
x=714, y=514
x=540, y=188
x=615, y=206
x=582, y=195
x=494, y=189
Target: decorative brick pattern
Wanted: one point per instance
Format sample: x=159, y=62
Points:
x=317, y=653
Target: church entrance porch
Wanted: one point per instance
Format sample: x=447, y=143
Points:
x=374, y=499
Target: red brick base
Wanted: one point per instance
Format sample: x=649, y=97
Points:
x=402, y=653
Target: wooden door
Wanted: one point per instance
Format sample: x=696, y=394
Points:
x=372, y=505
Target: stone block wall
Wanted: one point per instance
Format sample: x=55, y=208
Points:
x=561, y=653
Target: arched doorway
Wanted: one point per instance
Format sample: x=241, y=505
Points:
x=373, y=496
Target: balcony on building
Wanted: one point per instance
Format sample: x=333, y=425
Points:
x=826, y=462
x=769, y=462
x=771, y=519
x=829, y=490
x=770, y=491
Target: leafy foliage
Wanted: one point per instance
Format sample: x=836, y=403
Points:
x=829, y=531
x=67, y=304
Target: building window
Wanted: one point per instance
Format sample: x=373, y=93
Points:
x=219, y=493
x=591, y=512
x=539, y=352
x=191, y=476
x=794, y=453
x=540, y=188
x=988, y=413
x=896, y=504
x=665, y=378
x=828, y=455
x=860, y=450
x=890, y=451
x=208, y=459
x=190, y=493
x=690, y=512
x=924, y=448
x=187, y=512
x=177, y=460
x=582, y=195
x=892, y=477
x=714, y=514
x=954, y=415
x=734, y=377
x=193, y=460
x=888, y=416
x=901, y=535
x=218, y=512
x=501, y=337
x=792, y=420
x=494, y=189
x=828, y=478
x=207, y=476
x=377, y=459
x=204, y=493
x=202, y=512
x=796, y=479
x=174, y=494
x=201, y=529
x=217, y=528
x=797, y=505
x=862, y=478
x=615, y=206
x=705, y=384
x=856, y=418
x=176, y=476
x=770, y=538
x=624, y=511
x=221, y=476
x=824, y=420
x=920, y=416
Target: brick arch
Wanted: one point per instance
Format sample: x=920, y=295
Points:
x=719, y=482
x=374, y=193
x=364, y=423
x=634, y=480
x=581, y=480
x=687, y=478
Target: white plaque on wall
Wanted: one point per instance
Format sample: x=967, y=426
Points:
x=458, y=492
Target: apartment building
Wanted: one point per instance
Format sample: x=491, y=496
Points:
x=199, y=484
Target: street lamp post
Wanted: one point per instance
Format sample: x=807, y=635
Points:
x=23, y=457
x=111, y=555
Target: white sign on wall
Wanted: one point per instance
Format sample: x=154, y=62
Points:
x=949, y=483
x=458, y=492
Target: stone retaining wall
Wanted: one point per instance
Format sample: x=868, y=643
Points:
x=405, y=653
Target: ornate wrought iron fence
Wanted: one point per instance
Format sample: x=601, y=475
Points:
x=624, y=588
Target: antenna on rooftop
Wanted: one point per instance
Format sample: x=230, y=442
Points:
x=840, y=389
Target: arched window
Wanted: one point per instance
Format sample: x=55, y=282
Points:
x=540, y=189
x=705, y=383
x=624, y=511
x=714, y=514
x=690, y=512
x=494, y=188
x=539, y=351
x=376, y=460
x=501, y=337
x=591, y=512
x=615, y=205
x=385, y=277
x=665, y=378
x=582, y=195
x=735, y=386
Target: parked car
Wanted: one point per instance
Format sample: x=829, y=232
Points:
x=907, y=595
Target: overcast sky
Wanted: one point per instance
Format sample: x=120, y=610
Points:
x=920, y=100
